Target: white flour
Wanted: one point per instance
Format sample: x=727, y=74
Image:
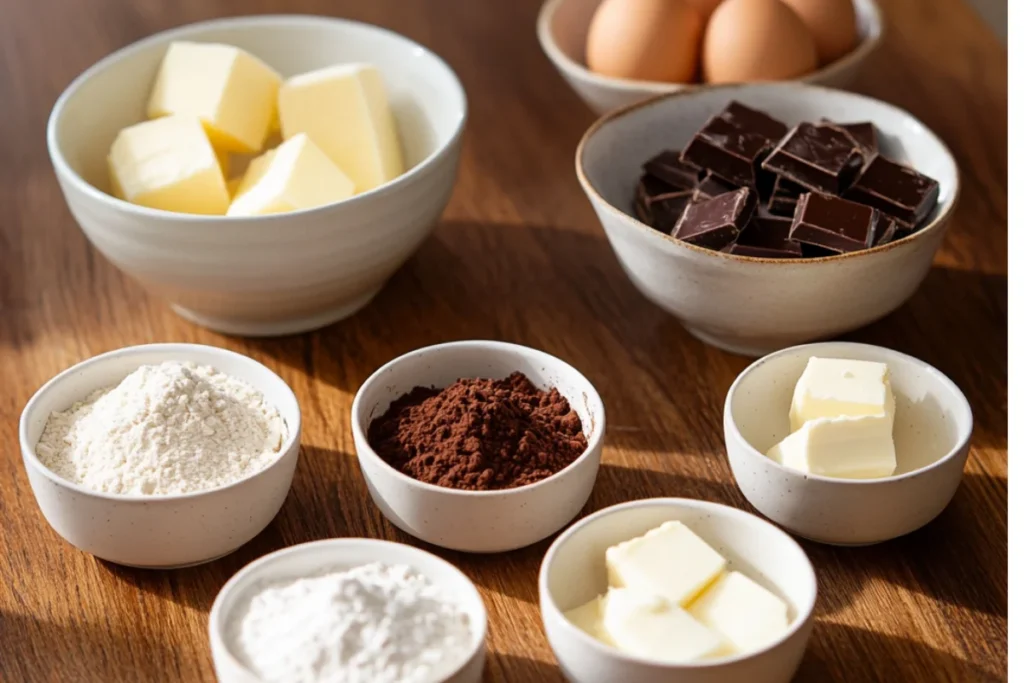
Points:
x=370, y=624
x=165, y=429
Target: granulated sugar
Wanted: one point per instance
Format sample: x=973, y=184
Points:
x=165, y=429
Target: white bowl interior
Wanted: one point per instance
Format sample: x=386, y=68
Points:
x=612, y=156
x=425, y=95
x=932, y=416
x=576, y=564
x=319, y=557
x=109, y=369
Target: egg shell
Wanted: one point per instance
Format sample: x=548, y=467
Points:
x=833, y=25
x=705, y=7
x=757, y=40
x=650, y=40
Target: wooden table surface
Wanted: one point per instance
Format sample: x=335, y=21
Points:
x=518, y=256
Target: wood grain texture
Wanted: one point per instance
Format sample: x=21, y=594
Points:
x=518, y=256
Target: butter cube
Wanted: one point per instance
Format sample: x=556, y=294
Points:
x=748, y=615
x=589, y=618
x=651, y=627
x=233, y=93
x=839, y=387
x=670, y=561
x=345, y=110
x=296, y=175
x=168, y=164
x=842, y=447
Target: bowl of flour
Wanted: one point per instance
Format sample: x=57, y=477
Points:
x=163, y=455
x=349, y=609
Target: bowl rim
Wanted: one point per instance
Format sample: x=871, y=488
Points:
x=939, y=218
x=867, y=11
x=719, y=509
x=28, y=450
x=65, y=171
x=242, y=579
x=960, y=399
x=594, y=442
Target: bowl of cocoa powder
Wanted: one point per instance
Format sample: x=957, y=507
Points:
x=479, y=446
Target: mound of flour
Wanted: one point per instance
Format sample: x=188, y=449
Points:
x=165, y=429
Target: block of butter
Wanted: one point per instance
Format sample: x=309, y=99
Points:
x=232, y=92
x=669, y=561
x=296, y=175
x=842, y=447
x=840, y=387
x=345, y=110
x=168, y=164
x=589, y=618
x=746, y=614
x=649, y=626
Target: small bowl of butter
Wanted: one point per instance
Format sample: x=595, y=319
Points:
x=845, y=443
x=676, y=590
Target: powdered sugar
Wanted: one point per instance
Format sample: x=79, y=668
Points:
x=371, y=624
x=165, y=429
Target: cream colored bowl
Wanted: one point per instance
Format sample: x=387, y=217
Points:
x=281, y=273
x=932, y=432
x=749, y=305
x=562, y=30
x=158, y=531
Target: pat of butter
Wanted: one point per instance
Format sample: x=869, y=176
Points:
x=747, y=614
x=839, y=387
x=670, y=561
x=296, y=175
x=168, y=164
x=233, y=93
x=651, y=627
x=589, y=618
x=842, y=447
x=345, y=110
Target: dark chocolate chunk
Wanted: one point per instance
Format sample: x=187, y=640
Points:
x=896, y=190
x=814, y=251
x=782, y=201
x=732, y=144
x=766, y=237
x=823, y=158
x=754, y=121
x=658, y=204
x=834, y=223
x=866, y=136
x=670, y=168
x=648, y=188
x=711, y=186
x=716, y=222
x=887, y=233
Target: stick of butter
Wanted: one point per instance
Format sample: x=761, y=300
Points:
x=670, y=561
x=589, y=618
x=840, y=387
x=747, y=614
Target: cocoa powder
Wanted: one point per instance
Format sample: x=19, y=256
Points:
x=479, y=434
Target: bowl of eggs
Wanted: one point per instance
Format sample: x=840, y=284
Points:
x=617, y=52
x=265, y=175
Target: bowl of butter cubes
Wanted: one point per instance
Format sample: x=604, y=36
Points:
x=845, y=443
x=265, y=175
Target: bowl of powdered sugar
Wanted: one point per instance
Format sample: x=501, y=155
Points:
x=349, y=609
x=162, y=455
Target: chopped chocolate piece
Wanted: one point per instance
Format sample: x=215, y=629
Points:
x=888, y=233
x=782, y=201
x=823, y=158
x=716, y=222
x=754, y=121
x=896, y=190
x=866, y=136
x=732, y=144
x=834, y=223
x=648, y=188
x=667, y=208
x=814, y=251
x=766, y=238
x=710, y=187
x=670, y=168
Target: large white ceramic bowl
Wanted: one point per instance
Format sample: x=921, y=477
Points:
x=573, y=573
x=478, y=521
x=750, y=305
x=310, y=559
x=932, y=432
x=562, y=30
x=158, y=531
x=281, y=273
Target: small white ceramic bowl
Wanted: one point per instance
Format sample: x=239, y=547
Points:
x=282, y=273
x=310, y=559
x=478, y=521
x=562, y=30
x=158, y=531
x=573, y=573
x=932, y=432
x=746, y=305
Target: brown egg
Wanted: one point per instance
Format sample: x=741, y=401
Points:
x=650, y=40
x=756, y=40
x=833, y=25
x=705, y=7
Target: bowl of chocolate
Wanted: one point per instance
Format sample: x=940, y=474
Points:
x=769, y=215
x=479, y=446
